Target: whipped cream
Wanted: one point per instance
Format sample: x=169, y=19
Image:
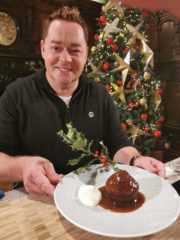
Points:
x=89, y=195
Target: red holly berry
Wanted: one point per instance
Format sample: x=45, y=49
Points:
x=103, y=158
x=96, y=155
x=157, y=134
x=105, y=66
x=144, y=116
x=109, y=40
x=106, y=164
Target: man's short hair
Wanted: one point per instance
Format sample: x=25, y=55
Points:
x=66, y=13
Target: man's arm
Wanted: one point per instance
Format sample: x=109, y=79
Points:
x=125, y=154
x=37, y=173
x=10, y=168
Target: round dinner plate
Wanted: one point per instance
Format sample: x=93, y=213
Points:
x=160, y=210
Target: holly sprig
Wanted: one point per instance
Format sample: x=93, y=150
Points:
x=78, y=142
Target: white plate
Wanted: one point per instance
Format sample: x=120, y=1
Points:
x=160, y=210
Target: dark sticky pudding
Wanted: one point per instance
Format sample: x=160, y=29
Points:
x=120, y=193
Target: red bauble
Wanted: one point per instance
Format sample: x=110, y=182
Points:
x=131, y=104
x=136, y=104
x=105, y=66
x=126, y=49
x=144, y=116
x=109, y=40
x=146, y=129
x=115, y=47
x=96, y=37
x=102, y=20
x=119, y=82
x=123, y=125
x=161, y=119
x=157, y=134
x=159, y=91
x=108, y=88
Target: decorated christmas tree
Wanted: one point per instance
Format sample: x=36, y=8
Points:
x=122, y=60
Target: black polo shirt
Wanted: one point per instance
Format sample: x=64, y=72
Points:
x=31, y=114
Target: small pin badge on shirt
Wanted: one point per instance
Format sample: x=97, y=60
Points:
x=91, y=114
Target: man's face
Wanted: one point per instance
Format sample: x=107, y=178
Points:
x=64, y=51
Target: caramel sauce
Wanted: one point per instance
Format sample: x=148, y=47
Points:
x=123, y=207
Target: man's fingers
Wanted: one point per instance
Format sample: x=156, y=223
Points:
x=31, y=187
x=41, y=178
x=45, y=185
x=53, y=177
x=41, y=181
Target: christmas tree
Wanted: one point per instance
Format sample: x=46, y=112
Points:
x=122, y=60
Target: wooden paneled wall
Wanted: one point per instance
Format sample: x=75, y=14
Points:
x=165, y=42
x=29, y=16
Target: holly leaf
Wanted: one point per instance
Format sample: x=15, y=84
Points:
x=71, y=132
x=88, y=146
x=82, y=170
x=73, y=162
x=78, y=144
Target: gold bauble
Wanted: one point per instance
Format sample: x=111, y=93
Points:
x=147, y=76
x=142, y=101
x=93, y=49
x=129, y=122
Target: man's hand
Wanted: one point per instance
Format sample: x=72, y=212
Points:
x=39, y=176
x=150, y=164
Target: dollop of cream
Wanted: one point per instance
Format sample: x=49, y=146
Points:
x=89, y=195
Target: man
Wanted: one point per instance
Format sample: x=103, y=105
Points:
x=35, y=108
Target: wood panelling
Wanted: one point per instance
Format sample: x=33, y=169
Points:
x=167, y=57
x=29, y=16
